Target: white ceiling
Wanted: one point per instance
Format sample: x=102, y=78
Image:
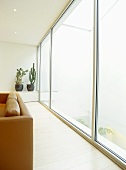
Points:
x=31, y=21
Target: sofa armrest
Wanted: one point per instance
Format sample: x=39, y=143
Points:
x=16, y=143
x=3, y=97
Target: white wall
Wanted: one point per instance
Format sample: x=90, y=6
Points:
x=12, y=57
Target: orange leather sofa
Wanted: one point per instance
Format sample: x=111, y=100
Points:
x=16, y=133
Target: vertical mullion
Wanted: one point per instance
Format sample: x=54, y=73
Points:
x=37, y=53
x=95, y=73
x=40, y=73
x=50, y=70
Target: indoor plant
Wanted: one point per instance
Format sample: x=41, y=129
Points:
x=19, y=75
x=32, y=78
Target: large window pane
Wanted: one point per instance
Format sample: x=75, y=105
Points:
x=112, y=76
x=38, y=67
x=44, y=79
x=72, y=65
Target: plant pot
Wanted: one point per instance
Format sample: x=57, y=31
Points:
x=30, y=87
x=18, y=87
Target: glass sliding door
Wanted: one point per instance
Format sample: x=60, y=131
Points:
x=67, y=81
x=45, y=73
x=72, y=55
x=111, y=127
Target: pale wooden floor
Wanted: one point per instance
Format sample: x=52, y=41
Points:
x=57, y=147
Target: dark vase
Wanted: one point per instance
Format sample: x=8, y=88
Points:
x=30, y=87
x=18, y=87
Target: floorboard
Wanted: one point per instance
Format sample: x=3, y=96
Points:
x=58, y=147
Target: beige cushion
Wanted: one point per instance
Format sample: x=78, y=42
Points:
x=12, y=108
x=12, y=95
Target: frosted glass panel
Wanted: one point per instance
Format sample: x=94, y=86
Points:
x=72, y=67
x=112, y=76
x=45, y=55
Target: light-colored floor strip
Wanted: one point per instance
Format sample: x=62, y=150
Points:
x=57, y=147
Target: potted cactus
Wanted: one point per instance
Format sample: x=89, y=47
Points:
x=32, y=78
x=18, y=81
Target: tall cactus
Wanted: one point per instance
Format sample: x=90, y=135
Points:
x=32, y=74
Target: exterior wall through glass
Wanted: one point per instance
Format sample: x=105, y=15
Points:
x=82, y=73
